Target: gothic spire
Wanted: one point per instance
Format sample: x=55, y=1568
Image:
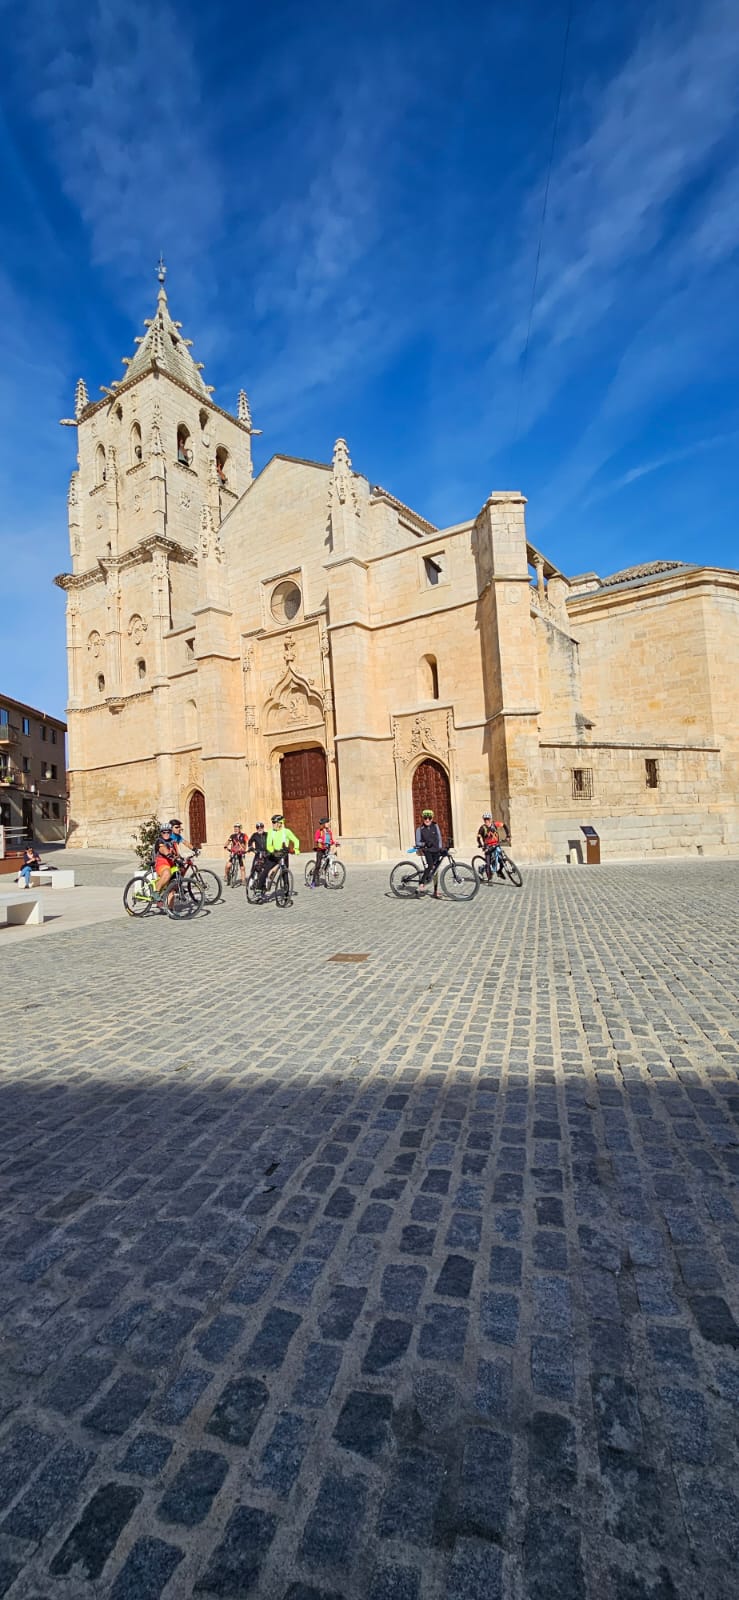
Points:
x=164, y=348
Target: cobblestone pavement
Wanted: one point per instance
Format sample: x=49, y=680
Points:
x=415, y=1277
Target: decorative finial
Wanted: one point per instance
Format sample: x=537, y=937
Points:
x=80, y=397
x=161, y=269
x=244, y=413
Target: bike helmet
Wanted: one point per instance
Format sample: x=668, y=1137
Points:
x=427, y=813
x=278, y=817
x=257, y=826
x=487, y=816
x=174, y=822
x=237, y=827
x=323, y=822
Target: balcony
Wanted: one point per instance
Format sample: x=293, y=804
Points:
x=9, y=734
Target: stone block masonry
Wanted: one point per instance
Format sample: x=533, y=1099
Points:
x=414, y=1278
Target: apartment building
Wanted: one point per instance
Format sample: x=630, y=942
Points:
x=33, y=775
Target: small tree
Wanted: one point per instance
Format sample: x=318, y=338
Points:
x=145, y=838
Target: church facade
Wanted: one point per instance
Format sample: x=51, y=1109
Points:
x=303, y=641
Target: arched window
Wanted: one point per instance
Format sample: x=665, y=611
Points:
x=99, y=466
x=101, y=683
x=184, y=453
x=136, y=450
x=429, y=678
x=221, y=460
x=141, y=667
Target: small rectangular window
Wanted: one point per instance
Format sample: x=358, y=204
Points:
x=651, y=768
x=582, y=783
x=43, y=730
x=3, y=717
x=26, y=763
x=190, y=646
x=434, y=569
x=55, y=808
x=53, y=735
x=53, y=770
x=26, y=725
x=44, y=808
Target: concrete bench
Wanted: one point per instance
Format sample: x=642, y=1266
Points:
x=21, y=907
x=59, y=878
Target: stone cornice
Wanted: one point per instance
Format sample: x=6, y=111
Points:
x=127, y=384
x=140, y=552
x=666, y=586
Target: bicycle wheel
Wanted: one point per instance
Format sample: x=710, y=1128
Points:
x=253, y=890
x=459, y=881
x=405, y=880
x=481, y=868
x=232, y=874
x=335, y=875
x=511, y=870
x=136, y=897
x=283, y=890
x=188, y=899
x=210, y=884
x=309, y=869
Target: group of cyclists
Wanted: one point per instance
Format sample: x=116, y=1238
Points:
x=271, y=845
x=430, y=845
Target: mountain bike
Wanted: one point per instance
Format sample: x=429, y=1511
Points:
x=494, y=863
x=208, y=882
x=332, y=872
x=233, y=871
x=457, y=879
x=180, y=898
x=279, y=883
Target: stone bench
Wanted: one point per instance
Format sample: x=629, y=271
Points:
x=59, y=877
x=21, y=907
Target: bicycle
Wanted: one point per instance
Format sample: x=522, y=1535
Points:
x=332, y=873
x=208, y=882
x=232, y=871
x=279, y=883
x=457, y=880
x=180, y=898
x=494, y=863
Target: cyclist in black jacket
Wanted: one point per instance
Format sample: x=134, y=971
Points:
x=429, y=844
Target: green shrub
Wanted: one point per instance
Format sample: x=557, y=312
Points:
x=145, y=838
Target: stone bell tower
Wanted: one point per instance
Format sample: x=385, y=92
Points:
x=157, y=463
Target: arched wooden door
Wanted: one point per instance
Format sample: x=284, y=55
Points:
x=197, y=831
x=304, y=792
x=431, y=789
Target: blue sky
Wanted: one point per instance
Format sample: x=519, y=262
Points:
x=348, y=199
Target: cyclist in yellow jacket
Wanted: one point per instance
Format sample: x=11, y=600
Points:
x=279, y=839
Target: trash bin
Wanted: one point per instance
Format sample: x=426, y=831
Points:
x=592, y=845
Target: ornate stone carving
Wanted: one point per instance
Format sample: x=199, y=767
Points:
x=323, y=639
x=137, y=502
x=248, y=658
x=95, y=644
x=99, y=520
x=288, y=645
x=244, y=413
x=424, y=734
x=81, y=399
x=185, y=499
x=251, y=717
x=137, y=628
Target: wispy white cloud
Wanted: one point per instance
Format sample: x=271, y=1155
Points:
x=117, y=86
x=670, y=458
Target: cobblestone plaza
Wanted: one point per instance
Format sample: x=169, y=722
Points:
x=408, y=1278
